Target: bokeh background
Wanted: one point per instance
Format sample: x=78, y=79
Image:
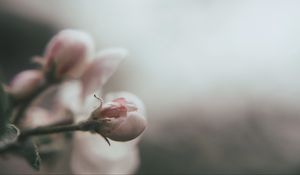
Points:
x=220, y=79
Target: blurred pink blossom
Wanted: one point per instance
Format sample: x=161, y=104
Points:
x=69, y=52
x=25, y=83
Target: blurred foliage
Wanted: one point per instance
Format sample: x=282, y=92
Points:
x=29, y=151
x=21, y=39
x=9, y=135
x=4, y=110
x=26, y=149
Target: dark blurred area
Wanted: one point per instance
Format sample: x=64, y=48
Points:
x=20, y=40
x=259, y=137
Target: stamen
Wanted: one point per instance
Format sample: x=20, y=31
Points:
x=100, y=99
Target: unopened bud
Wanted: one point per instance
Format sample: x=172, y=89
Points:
x=129, y=129
x=121, y=120
x=25, y=83
x=68, y=53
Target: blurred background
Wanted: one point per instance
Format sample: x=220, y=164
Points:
x=220, y=79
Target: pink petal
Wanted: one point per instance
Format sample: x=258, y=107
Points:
x=132, y=101
x=129, y=105
x=69, y=51
x=120, y=100
x=25, y=83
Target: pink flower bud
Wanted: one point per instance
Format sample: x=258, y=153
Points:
x=122, y=120
x=25, y=83
x=69, y=52
x=129, y=129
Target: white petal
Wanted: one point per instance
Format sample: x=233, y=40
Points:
x=46, y=109
x=70, y=96
x=89, y=105
x=35, y=117
x=101, y=69
x=91, y=154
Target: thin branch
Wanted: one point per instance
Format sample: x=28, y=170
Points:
x=89, y=125
x=48, y=130
x=83, y=126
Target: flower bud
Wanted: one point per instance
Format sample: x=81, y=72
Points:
x=25, y=83
x=129, y=129
x=68, y=53
x=121, y=120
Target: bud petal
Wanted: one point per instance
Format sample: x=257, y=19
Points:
x=69, y=52
x=123, y=121
x=130, y=98
x=101, y=69
x=115, y=109
x=25, y=83
x=129, y=129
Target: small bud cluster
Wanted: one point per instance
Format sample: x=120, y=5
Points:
x=59, y=97
x=70, y=56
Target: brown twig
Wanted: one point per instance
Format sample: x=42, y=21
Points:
x=89, y=125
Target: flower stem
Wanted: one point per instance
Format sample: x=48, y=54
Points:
x=88, y=125
x=48, y=130
x=83, y=126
